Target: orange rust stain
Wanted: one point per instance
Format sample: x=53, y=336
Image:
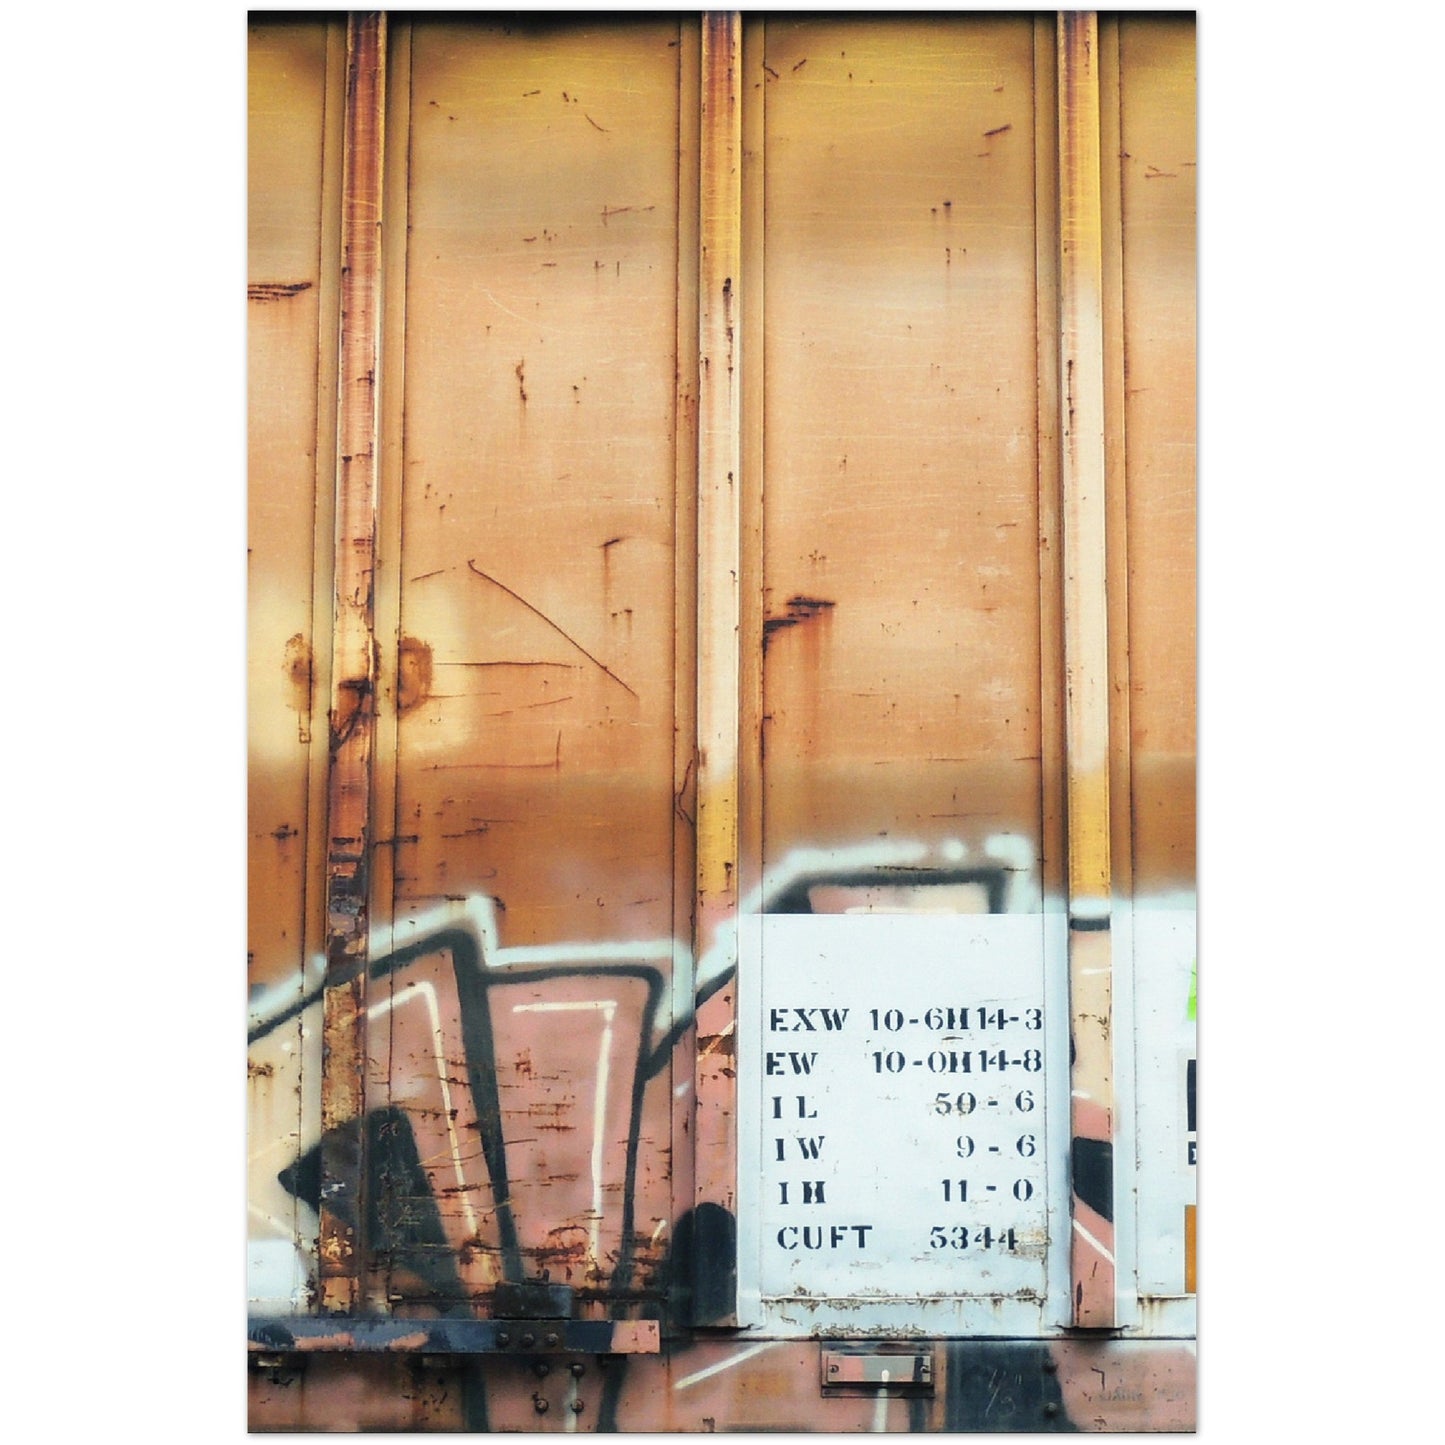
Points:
x=724, y=1044
x=299, y=667
x=413, y=673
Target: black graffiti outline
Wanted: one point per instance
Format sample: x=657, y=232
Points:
x=474, y=981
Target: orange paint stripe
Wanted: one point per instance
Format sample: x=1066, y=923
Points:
x=1189, y=1249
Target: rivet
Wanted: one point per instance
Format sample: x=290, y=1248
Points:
x=578, y=1368
x=539, y=1404
x=504, y=1339
x=542, y=1369
x=528, y=1340
x=577, y=1407
x=1051, y=1408
x=551, y=1340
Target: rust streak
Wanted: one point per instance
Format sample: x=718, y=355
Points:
x=276, y=290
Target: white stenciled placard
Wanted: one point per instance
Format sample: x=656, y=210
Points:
x=903, y=1064
x=1164, y=968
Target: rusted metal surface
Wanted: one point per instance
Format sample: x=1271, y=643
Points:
x=736, y=483
x=353, y=695
x=453, y=1337
x=719, y=548
x=715, y=1386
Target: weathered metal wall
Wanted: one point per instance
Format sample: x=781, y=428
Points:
x=745, y=439
x=296, y=90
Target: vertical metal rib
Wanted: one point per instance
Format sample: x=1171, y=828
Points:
x=353, y=675
x=1086, y=673
x=719, y=548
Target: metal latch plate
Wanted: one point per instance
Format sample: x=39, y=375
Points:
x=851, y=1370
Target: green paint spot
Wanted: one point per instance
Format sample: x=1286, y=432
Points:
x=1193, y=988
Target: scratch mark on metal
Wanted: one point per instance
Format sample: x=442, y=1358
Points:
x=566, y=636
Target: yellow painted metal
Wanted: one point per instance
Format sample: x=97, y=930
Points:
x=353, y=692
x=719, y=480
x=1082, y=400
x=1086, y=658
